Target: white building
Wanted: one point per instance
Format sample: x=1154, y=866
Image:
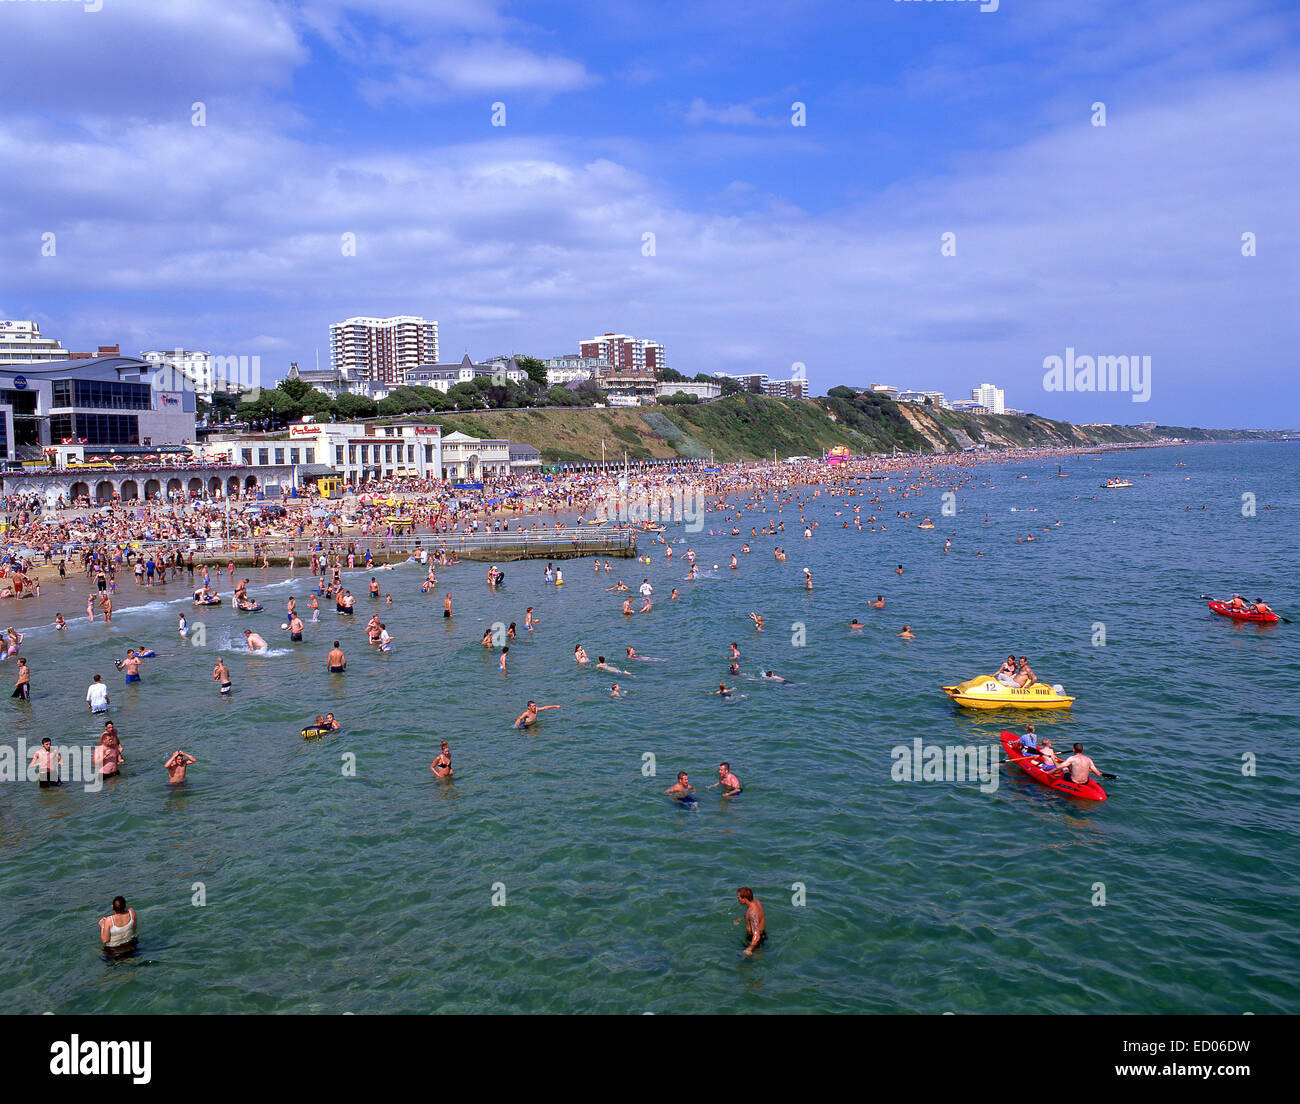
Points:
x=22, y=343
x=359, y=452
x=574, y=369
x=382, y=349
x=993, y=399
x=467, y=459
x=443, y=377
x=936, y=398
x=194, y=370
x=706, y=391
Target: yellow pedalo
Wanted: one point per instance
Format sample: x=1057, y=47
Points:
x=985, y=692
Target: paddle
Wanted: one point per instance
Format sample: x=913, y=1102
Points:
x=1211, y=598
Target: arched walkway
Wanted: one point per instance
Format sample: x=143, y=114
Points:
x=151, y=489
x=196, y=486
x=80, y=490
x=104, y=492
x=130, y=490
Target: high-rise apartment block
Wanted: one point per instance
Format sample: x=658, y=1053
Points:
x=382, y=349
x=625, y=352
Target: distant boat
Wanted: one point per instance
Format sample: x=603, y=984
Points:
x=1115, y=484
x=1060, y=474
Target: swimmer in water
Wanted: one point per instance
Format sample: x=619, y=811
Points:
x=730, y=784
x=579, y=653
x=856, y=624
x=529, y=715
x=601, y=665
x=757, y=618
x=907, y=633
x=673, y=596
x=879, y=603
x=898, y=570
x=682, y=788
x=336, y=660
x=505, y=655
x=59, y=623
x=616, y=691
x=441, y=766
x=175, y=767
x=221, y=674
x=772, y=676
x=255, y=642
x=487, y=638
x=722, y=690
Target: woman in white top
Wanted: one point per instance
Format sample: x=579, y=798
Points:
x=117, y=930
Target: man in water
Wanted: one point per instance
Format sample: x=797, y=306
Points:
x=131, y=666
x=254, y=641
x=879, y=603
x=97, y=696
x=730, y=784
x=907, y=633
x=441, y=766
x=855, y=624
x=755, y=920
x=295, y=628
x=682, y=788
x=221, y=675
x=336, y=660
x=176, y=765
x=772, y=676
x=23, y=684
x=47, y=762
x=601, y=665
x=446, y=605
x=529, y=715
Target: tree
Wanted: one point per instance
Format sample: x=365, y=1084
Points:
x=730, y=386
x=535, y=368
x=842, y=392
x=755, y=387
x=669, y=375
x=351, y=407
x=704, y=377
x=295, y=389
x=678, y=397
x=316, y=403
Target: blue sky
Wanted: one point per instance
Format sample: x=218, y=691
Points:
x=774, y=244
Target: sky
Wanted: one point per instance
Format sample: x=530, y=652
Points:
x=949, y=213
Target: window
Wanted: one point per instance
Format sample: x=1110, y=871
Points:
x=388, y=453
x=263, y=456
x=248, y=455
x=310, y=455
x=279, y=456
x=428, y=454
x=352, y=454
x=294, y=455
x=107, y=429
x=338, y=456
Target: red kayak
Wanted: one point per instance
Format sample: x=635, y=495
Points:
x=1088, y=791
x=1269, y=618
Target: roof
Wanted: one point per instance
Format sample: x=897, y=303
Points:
x=315, y=471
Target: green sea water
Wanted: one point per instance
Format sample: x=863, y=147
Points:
x=553, y=875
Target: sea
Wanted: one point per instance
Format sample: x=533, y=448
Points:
x=553, y=875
